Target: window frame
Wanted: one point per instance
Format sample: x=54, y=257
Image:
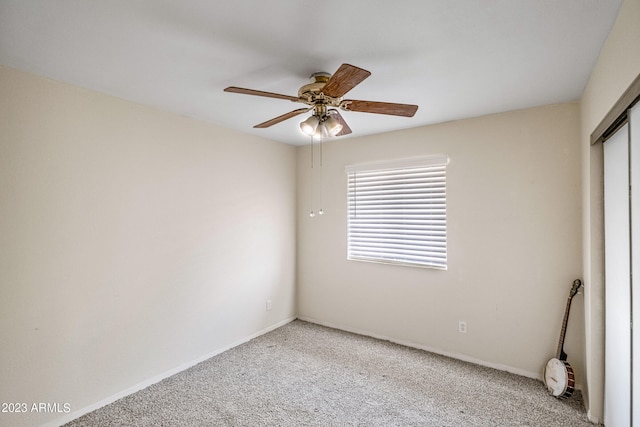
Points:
x=404, y=212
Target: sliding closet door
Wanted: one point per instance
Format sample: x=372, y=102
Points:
x=617, y=405
x=634, y=148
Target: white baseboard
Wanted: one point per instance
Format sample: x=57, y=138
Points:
x=458, y=356
x=157, y=378
x=594, y=420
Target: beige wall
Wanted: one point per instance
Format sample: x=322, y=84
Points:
x=514, y=242
x=134, y=242
x=618, y=65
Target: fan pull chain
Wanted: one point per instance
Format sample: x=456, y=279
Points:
x=321, y=211
x=312, y=213
x=313, y=178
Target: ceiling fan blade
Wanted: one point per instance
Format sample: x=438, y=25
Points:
x=283, y=117
x=244, y=91
x=344, y=79
x=406, y=110
x=346, y=130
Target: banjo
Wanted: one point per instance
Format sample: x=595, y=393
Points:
x=558, y=374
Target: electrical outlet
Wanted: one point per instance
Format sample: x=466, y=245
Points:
x=268, y=307
x=462, y=327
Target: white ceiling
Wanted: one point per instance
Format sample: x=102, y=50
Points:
x=454, y=58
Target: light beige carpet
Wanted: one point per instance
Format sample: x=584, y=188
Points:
x=308, y=375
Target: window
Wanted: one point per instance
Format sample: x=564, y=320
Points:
x=397, y=212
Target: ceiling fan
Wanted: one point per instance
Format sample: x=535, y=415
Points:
x=325, y=95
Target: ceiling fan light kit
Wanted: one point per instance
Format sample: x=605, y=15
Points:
x=324, y=91
x=321, y=125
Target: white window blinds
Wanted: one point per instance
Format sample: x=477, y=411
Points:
x=397, y=212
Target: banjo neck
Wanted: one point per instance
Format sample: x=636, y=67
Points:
x=560, y=354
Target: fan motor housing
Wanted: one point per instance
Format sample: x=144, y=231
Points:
x=312, y=93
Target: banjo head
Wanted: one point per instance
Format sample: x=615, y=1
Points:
x=559, y=378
